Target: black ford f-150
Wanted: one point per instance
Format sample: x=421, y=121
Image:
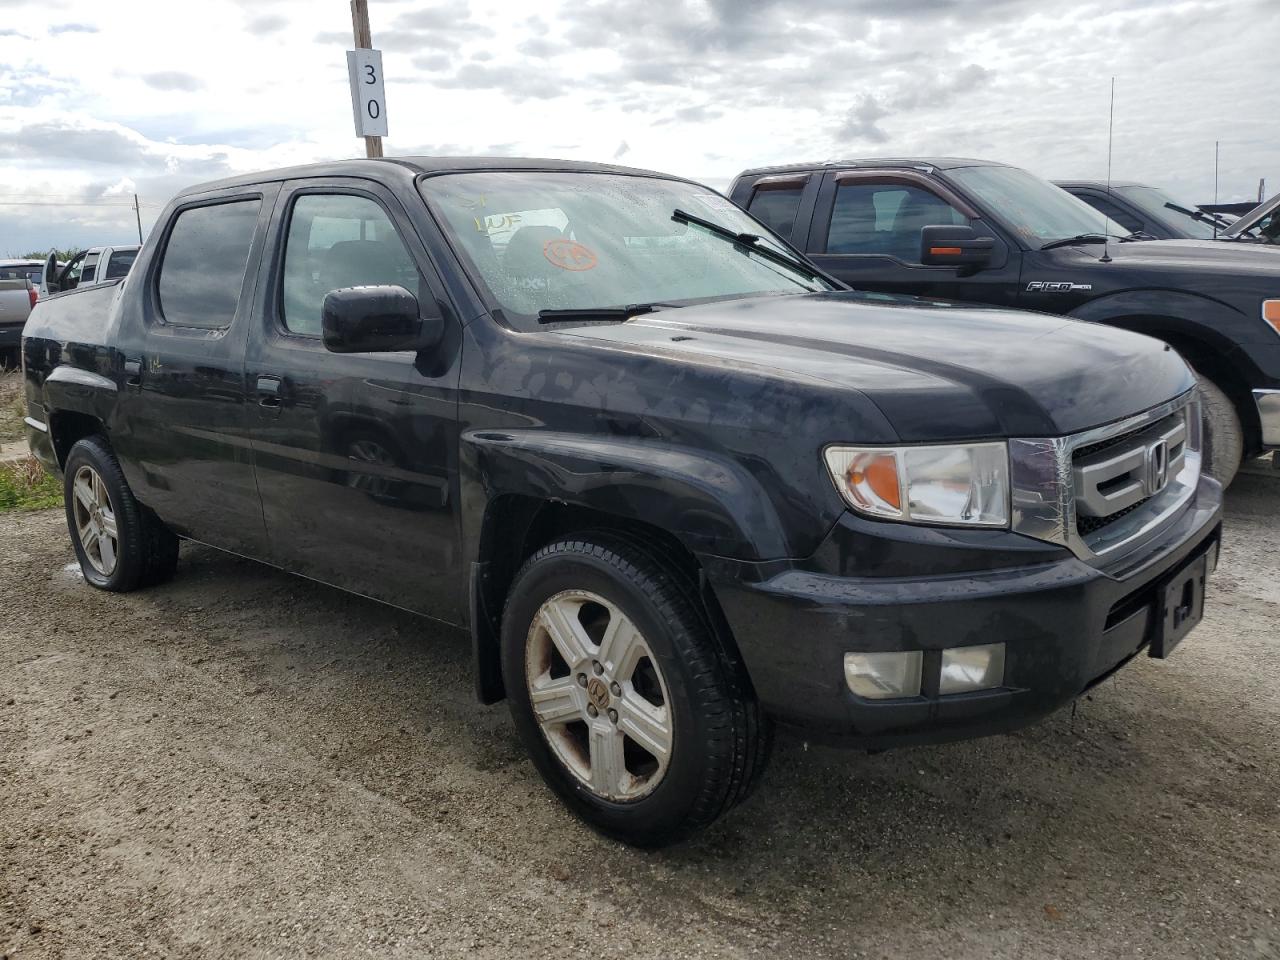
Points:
x=971, y=230
x=675, y=482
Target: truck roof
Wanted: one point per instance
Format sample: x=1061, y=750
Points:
x=1097, y=184
x=415, y=165
x=941, y=163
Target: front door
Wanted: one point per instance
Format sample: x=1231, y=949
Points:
x=866, y=232
x=355, y=453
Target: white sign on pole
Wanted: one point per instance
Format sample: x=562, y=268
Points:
x=368, y=102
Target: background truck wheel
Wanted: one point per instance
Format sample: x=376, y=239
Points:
x=621, y=694
x=120, y=545
x=1223, y=435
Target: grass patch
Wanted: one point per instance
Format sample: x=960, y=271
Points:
x=13, y=406
x=24, y=485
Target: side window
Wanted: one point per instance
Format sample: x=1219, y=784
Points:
x=204, y=261
x=885, y=219
x=119, y=264
x=334, y=241
x=90, y=268
x=776, y=207
x=1113, y=212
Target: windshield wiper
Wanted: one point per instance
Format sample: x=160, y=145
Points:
x=598, y=313
x=1078, y=238
x=752, y=242
x=1199, y=215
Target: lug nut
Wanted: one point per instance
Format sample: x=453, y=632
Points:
x=592, y=711
x=615, y=689
x=582, y=679
x=613, y=715
x=597, y=667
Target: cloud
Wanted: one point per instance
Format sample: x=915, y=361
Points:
x=72, y=28
x=700, y=113
x=623, y=149
x=267, y=23
x=860, y=122
x=57, y=140
x=172, y=80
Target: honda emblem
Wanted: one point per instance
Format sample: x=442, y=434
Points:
x=1157, y=467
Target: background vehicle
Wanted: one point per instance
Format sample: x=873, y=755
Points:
x=975, y=231
x=95, y=265
x=17, y=296
x=1139, y=208
x=1260, y=225
x=675, y=483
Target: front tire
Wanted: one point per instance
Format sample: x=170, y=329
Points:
x=620, y=692
x=121, y=545
x=1223, y=434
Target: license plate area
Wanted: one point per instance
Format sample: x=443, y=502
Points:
x=1181, y=606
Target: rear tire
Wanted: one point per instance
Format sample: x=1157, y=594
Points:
x=120, y=544
x=642, y=726
x=1223, y=434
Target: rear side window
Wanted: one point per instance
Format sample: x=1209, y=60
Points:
x=204, y=263
x=776, y=207
x=335, y=241
x=119, y=264
x=90, y=268
x=885, y=219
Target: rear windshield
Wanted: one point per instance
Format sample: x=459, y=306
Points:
x=21, y=273
x=541, y=240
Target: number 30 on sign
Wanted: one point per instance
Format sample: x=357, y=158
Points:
x=368, y=101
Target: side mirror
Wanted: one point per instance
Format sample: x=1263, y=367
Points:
x=945, y=246
x=49, y=275
x=377, y=319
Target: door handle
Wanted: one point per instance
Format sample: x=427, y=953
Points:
x=270, y=390
x=133, y=372
x=270, y=395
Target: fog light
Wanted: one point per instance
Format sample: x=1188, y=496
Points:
x=972, y=668
x=880, y=676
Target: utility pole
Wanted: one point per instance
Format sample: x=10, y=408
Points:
x=138, y=213
x=364, y=41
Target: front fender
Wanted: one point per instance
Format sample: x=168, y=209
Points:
x=712, y=504
x=1164, y=314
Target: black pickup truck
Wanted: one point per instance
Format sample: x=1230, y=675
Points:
x=675, y=483
x=970, y=230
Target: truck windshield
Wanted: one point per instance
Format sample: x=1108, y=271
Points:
x=1160, y=204
x=541, y=241
x=1040, y=212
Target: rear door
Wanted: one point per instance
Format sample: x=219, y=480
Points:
x=783, y=203
x=182, y=434
x=866, y=231
x=355, y=453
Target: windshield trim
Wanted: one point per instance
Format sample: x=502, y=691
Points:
x=487, y=299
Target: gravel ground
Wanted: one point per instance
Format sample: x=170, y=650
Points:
x=244, y=764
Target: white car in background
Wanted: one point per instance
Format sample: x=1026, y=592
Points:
x=95, y=265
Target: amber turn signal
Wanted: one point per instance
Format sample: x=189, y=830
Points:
x=1271, y=314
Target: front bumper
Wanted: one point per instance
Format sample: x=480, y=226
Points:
x=1066, y=624
x=1268, y=403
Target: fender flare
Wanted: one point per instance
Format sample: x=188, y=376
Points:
x=709, y=502
x=1157, y=312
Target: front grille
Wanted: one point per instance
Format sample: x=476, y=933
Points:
x=1119, y=475
x=1088, y=525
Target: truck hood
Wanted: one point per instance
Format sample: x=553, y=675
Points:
x=935, y=370
x=1184, y=257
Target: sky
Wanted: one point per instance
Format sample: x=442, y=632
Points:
x=101, y=101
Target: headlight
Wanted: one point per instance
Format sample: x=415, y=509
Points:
x=966, y=484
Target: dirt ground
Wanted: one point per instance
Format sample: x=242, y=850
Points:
x=244, y=764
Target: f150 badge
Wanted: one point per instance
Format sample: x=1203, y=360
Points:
x=1045, y=286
